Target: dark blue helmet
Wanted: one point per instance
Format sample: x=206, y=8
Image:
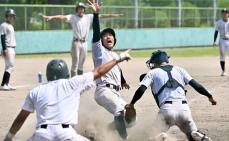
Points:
x=108, y=30
x=57, y=69
x=158, y=57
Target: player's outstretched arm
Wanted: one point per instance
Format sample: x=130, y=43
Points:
x=56, y=17
x=17, y=124
x=200, y=89
x=110, y=15
x=104, y=68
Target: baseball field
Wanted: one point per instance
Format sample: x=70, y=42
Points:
x=201, y=63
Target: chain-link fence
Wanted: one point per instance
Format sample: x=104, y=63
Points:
x=29, y=17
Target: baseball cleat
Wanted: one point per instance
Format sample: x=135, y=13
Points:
x=223, y=73
x=197, y=136
x=11, y=87
x=5, y=88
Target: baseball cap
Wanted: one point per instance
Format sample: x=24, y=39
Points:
x=80, y=4
x=224, y=10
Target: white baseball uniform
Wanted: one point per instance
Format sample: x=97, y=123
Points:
x=223, y=28
x=57, y=103
x=105, y=94
x=80, y=27
x=177, y=112
x=8, y=30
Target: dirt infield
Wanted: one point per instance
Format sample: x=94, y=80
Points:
x=214, y=120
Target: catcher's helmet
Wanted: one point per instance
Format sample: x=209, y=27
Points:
x=10, y=12
x=57, y=69
x=157, y=57
x=111, y=31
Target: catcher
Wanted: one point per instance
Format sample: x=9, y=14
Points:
x=167, y=83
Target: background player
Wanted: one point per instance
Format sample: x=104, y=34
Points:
x=167, y=84
x=80, y=23
x=222, y=26
x=8, y=48
x=57, y=102
x=108, y=88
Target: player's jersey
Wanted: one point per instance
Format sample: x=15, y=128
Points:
x=157, y=77
x=102, y=55
x=8, y=30
x=223, y=28
x=80, y=25
x=57, y=102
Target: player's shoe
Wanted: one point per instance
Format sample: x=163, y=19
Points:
x=11, y=87
x=5, y=88
x=223, y=73
x=198, y=136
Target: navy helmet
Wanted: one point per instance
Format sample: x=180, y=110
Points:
x=158, y=57
x=57, y=69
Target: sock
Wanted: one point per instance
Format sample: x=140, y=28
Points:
x=222, y=64
x=6, y=78
x=120, y=125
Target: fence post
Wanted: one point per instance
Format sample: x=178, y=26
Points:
x=214, y=10
x=136, y=13
x=179, y=12
x=25, y=18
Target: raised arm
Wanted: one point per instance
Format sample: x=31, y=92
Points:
x=56, y=17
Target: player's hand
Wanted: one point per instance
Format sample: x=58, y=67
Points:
x=95, y=7
x=124, y=56
x=126, y=86
x=214, y=44
x=212, y=101
x=47, y=18
x=5, y=53
x=9, y=137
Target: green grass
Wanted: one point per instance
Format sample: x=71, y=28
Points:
x=181, y=52
x=173, y=52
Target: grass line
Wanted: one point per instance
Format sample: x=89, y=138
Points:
x=174, y=52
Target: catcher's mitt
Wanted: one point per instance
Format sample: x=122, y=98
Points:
x=130, y=115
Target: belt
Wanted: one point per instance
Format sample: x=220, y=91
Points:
x=225, y=38
x=79, y=40
x=171, y=102
x=10, y=46
x=44, y=126
x=112, y=86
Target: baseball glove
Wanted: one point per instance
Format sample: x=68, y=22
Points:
x=130, y=114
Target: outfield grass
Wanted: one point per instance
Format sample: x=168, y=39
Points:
x=174, y=52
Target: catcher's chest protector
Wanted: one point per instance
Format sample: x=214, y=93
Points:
x=171, y=83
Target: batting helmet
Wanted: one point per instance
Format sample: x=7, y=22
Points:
x=111, y=31
x=57, y=69
x=157, y=57
x=10, y=12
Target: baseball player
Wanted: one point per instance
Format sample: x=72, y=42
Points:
x=57, y=102
x=107, y=93
x=80, y=23
x=222, y=26
x=8, y=48
x=167, y=84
